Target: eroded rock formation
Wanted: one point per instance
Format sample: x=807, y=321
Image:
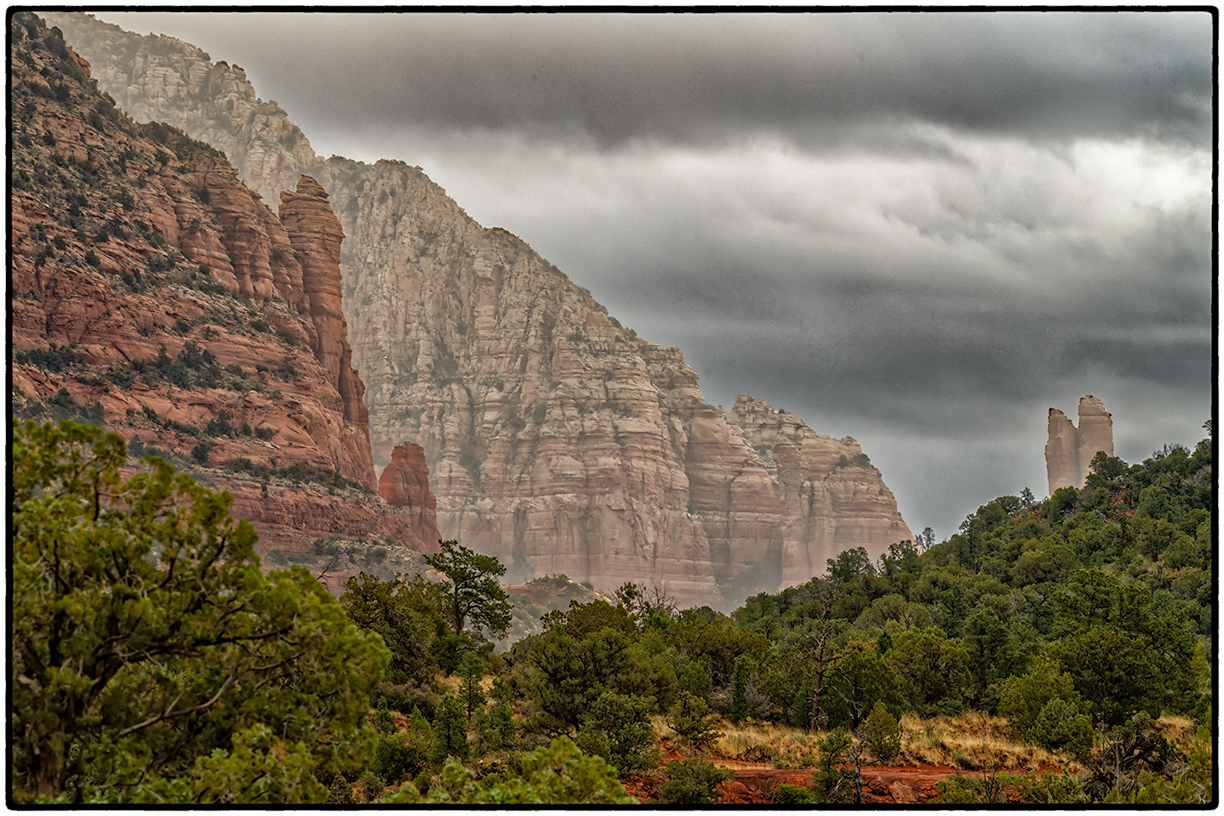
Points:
x=316, y=235
x=405, y=483
x=148, y=282
x=1069, y=450
x=556, y=439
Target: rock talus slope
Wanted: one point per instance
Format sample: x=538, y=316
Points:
x=1069, y=450
x=147, y=283
x=556, y=439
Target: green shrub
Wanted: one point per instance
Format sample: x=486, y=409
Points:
x=882, y=735
x=618, y=729
x=692, y=782
x=397, y=760
x=51, y=359
x=692, y=721
x=450, y=731
x=201, y=451
x=556, y=774
x=1061, y=725
x=287, y=337
x=340, y=792
x=1043, y=706
x=786, y=794
x=220, y=425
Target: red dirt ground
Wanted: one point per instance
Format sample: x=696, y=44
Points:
x=755, y=782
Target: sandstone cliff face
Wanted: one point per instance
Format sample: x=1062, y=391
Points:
x=556, y=439
x=147, y=280
x=1069, y=451
x=831, y=498
x=405, y=483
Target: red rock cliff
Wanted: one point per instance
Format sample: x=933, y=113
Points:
x=148, y=282
x=315, y=235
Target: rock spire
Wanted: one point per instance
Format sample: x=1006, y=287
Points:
x=1069, y=450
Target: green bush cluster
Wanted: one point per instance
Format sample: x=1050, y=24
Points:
x=297, y=472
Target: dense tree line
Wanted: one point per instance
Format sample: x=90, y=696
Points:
x=139, y=603
x=1077, y=617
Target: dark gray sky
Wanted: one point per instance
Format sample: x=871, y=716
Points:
x=921, y=230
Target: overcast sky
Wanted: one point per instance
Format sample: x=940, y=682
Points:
x=921, y=230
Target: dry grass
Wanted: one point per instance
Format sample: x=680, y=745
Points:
x=970, y=741
x=973, y=741
x=765, y=742
x=1176, y=729
x=748, y=742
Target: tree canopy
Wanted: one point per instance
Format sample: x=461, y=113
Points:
x=472, y=588
x=151, y=660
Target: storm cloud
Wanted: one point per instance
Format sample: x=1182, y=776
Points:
x=918, y=229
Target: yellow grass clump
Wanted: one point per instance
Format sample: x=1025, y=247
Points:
x=974, y=741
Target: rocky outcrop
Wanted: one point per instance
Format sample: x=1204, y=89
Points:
x=405, y=483
x=556, y=439
x=1095, y=433
x=315, y=235
x=1062, y=452
x=1069, y=451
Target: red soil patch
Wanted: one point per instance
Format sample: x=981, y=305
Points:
x=755, y=782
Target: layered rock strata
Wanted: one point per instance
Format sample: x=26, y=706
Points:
x=831, y=498
x=557, y=440
x=1069, y=450
x=147, y=282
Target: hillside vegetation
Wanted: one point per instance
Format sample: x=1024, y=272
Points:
x=1070, y=633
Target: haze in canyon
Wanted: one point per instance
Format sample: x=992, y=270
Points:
x=920, y=230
